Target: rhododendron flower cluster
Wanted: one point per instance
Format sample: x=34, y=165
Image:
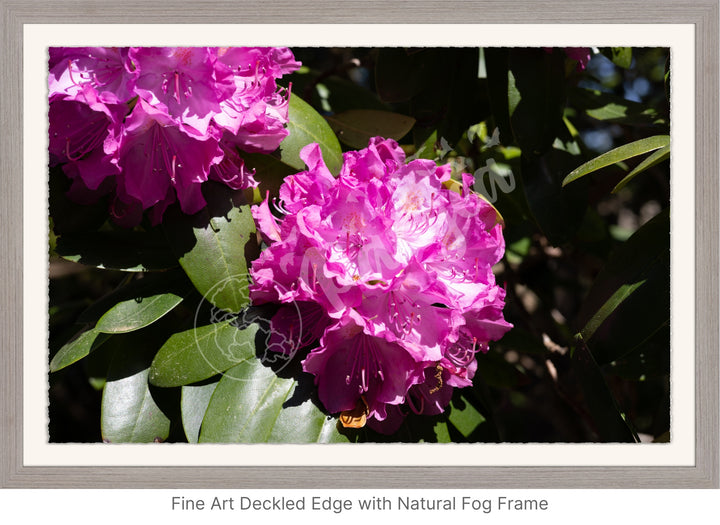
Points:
x=151, y=124
x=386, y=275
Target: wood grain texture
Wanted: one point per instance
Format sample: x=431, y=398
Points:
x=702, y=13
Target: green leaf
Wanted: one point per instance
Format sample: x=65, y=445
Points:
x=609, y=107
x=137, y=313
x=129, y=413
x=77, y=349
x=193, y=405
x=630, y=299
x=305, y=126
x=656, y=158
x=621, y=56
x=464, y=416
x=214, y=245
x=128, y=304
x=252, y=404
x=129, y=251
x=137, y=304
x=200, y=353
x=356, y=127
x=619, y=154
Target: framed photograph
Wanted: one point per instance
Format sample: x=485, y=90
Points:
x=386, y=250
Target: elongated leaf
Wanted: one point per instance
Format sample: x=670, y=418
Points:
x=305, y=126
x=619, y=154
x=612, y=108
x=137, y=287
x=138, y=304
x=656, y=158
x=252, y=404
x=129, y=412
x=212, y=246
x=77, y=349
x=622, y=293
x=193, y=405
x=200, y=353
x=356, y=127
x=126, y=251
x=630, y=299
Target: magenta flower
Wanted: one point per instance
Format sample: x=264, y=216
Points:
x=580, y=54
x=399, y=269
x=153, y=124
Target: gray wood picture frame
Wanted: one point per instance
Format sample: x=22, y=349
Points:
x=703, y=14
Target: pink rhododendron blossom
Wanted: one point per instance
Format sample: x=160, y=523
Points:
x=393, y=270
x=579, y=54
x=151, y=124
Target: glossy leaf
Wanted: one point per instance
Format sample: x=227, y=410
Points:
x=130, y=414
x=136, y=288
x=77, y=349
x=199, y=353
x=140, y=304
x=252, y=404
x=213, y=246
x=618, y=154
x=356, y=127
x=305, y=126
x=193, y=405
x=656, y=158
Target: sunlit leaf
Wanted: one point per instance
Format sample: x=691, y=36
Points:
x=130, y=414
x=618, y=154
x=252, y=404
x=656, y=158
x=76, y=349
x=212, y=246
x=306, y=126
x=193, y=404
x=199, y=353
